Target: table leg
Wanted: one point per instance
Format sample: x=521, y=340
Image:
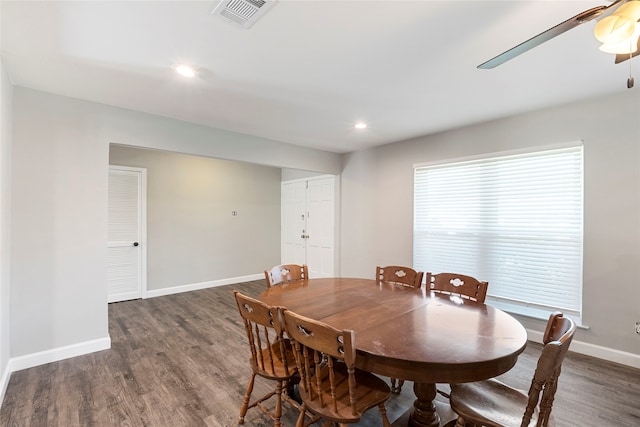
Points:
x=424, y=409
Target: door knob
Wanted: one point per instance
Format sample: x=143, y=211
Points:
x=305, y=236
x=135, y=243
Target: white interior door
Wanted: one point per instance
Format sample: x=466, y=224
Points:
x=320, y=227
x=294, y=201
x=126, y=269
x=308, y=224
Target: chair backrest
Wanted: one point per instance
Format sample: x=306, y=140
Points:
x=458, y=284
x=285, y=273
x=320, y=351
x=270, y=356
x=399, y=274
x=557, y=338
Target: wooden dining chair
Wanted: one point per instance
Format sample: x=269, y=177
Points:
x=406, y=276
x=331, y=387
x=460, y=285
x=271, y=356
x=285, y=273
x=457, y=284
x=495, y=404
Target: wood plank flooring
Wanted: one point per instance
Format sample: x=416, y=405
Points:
x=180, y=360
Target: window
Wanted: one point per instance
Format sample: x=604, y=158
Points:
x=513, y=220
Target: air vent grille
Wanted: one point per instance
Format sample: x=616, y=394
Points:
x=256, y=3
x=243, y=12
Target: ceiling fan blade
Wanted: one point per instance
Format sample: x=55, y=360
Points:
x=547, y=35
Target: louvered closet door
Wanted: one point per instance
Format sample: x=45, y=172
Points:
x=125, y=273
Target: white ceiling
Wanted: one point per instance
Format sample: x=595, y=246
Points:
x=308, y=70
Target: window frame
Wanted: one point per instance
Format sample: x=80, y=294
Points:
x=521, y=307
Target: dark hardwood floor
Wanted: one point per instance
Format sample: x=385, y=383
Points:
x=180, y=360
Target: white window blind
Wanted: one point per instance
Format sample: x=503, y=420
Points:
x=514, y=221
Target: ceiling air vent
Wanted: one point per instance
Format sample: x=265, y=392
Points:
x=243, y=12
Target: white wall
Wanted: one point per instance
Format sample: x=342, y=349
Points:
x=59, y=227
x=59, y=209
x=6, y=96
x=377, y=194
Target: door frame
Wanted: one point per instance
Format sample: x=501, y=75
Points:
x=142, y=220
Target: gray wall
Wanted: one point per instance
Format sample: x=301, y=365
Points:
x=59, y=203
x=295, y=174
x=59, y=223
x=6, y=96
x=192, y=236
x=610, y=128
x=59, y=207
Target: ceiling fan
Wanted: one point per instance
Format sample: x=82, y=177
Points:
x=619, y=20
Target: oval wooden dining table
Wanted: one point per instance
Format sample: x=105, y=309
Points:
x=410, y=334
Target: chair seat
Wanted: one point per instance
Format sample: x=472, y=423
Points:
x=492, y=403
x=276, y=369
x=371, y=391
x=495, y=404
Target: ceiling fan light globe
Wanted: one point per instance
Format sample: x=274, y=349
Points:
x=625, y=47
x=616, y=48
x=630, y=10
x=614, y=29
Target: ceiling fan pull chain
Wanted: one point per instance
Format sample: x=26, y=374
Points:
x=630, y=79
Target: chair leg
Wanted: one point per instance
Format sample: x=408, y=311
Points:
x=444, y=393
x=383, y=414
x=300, y=421
x=290, y=389
x=278, y=410
x=397, y=389
x=245, y=401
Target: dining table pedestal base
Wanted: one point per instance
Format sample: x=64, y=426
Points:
x=424, y=408
x=429, y=409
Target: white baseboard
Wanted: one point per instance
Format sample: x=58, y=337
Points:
x=612, y=355
x=4, y=382
x=202, y=285
x=59, y=353
x=48, y=356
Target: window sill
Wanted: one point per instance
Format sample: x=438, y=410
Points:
x=532, y=312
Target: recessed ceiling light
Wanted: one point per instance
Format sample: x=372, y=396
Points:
x=360, y=125
x=185, y=70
